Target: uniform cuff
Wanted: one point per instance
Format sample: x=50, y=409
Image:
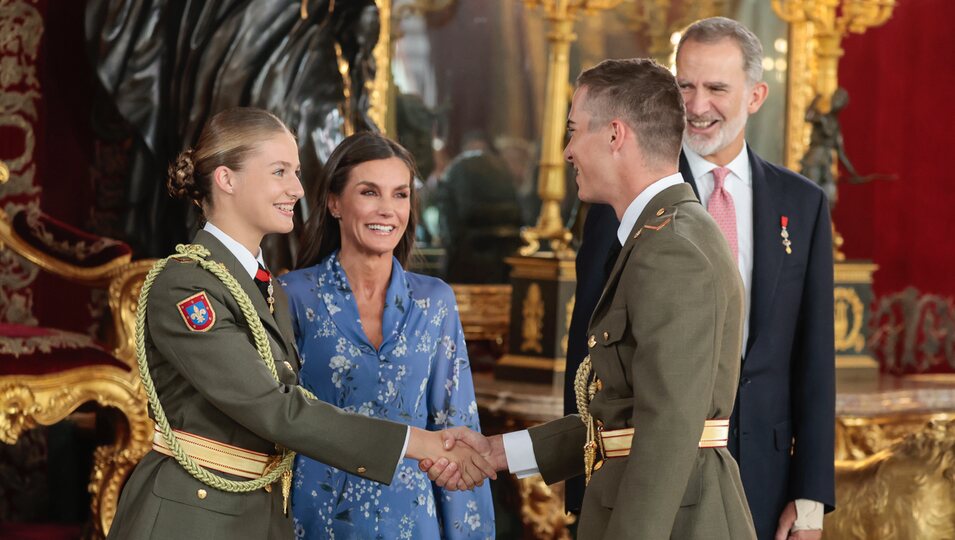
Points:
x=519, y=451
x=404, y=449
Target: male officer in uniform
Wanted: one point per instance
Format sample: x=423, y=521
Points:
x=664, y=338
x=781, y=430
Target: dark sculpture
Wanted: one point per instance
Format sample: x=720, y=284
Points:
x=169, y=65
x=825, y=139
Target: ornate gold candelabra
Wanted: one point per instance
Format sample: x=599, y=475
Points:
x=550, y=227
x=831, y=20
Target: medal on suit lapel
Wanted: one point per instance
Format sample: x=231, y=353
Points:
x=784, y=232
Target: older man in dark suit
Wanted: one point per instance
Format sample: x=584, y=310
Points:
x=781, y=430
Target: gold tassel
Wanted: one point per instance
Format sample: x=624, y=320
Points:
x=286, y=489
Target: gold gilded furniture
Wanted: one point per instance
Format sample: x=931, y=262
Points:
x=895, y=459
x=905, y=491
x=47, y=373
x=484, y=311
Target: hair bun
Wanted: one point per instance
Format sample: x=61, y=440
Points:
x=181, y=182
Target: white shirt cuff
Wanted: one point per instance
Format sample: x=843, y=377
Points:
x=404, y=449
x=808, y=515
x=519, y=451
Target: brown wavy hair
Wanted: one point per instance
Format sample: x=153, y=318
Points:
x=322, y=232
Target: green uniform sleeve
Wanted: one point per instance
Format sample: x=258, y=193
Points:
x=225, y=368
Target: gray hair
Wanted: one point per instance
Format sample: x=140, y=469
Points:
x=719, y=28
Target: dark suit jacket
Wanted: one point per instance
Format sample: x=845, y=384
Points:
x=214, y=384
x=782, y=427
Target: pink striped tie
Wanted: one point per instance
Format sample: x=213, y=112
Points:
x=723, y=210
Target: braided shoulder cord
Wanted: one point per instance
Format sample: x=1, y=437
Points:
x=584, y=389
x=198, y=254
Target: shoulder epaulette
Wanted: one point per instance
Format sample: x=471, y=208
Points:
x=662, y=218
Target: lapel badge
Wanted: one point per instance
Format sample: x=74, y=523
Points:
x=784, y=232
x=197, y=313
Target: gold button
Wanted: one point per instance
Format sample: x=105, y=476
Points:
x=592, y=341
x=362, y=470
x=598, y=465
x=201, y=494
x=600, y=425
x=289, y=366
x=600, y=386
x=606, y=336
x=660, y=212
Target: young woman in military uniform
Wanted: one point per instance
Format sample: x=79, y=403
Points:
x=219, y=364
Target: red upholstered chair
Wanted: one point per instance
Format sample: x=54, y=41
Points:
x=47, y=373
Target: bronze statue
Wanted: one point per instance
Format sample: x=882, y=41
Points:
x=826, y=139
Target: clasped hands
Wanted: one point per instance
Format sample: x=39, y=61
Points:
x=457, y=458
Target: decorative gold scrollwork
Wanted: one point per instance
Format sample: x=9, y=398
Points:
x=569, y=308
x=849, y=313
x=542, y=510
x=533, y=324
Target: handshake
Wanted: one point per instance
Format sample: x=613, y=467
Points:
x=457, y=458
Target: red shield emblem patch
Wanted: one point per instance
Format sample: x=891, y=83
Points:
x=197, y=312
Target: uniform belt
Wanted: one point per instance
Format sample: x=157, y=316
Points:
x=215, y=455
x=616, y=443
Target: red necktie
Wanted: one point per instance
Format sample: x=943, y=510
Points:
x=262, y=279
x=723, y=210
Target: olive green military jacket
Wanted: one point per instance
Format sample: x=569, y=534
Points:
x=665, y=342
x=214, y=384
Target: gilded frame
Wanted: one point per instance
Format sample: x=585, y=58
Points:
x=800, y=79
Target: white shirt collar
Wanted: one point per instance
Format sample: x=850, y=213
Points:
x=636, y=207
x=248, y=261
x=739, y=166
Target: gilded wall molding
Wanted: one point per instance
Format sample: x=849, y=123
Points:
x=799, y=92
x=381, y=91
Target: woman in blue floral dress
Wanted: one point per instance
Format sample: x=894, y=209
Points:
x=382, y=342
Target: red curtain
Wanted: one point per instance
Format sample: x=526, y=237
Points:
x=901, y=82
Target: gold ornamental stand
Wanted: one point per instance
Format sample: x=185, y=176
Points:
x=543, y=281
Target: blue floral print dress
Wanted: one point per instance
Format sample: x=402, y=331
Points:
x=420, y=376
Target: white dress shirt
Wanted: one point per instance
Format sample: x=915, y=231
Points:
x=250, y=262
